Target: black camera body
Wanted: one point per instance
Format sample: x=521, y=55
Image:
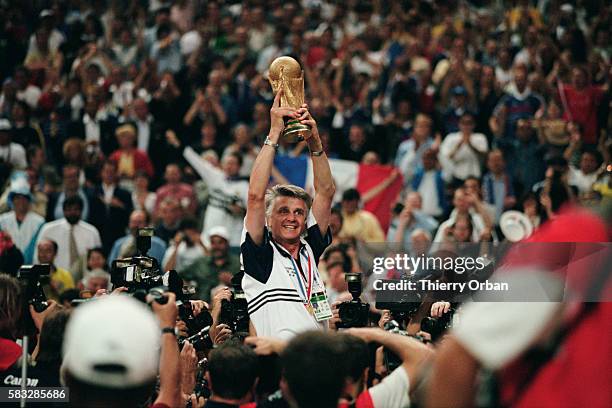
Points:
x=32, y=278
x=436, y=327
x=353, y=313
x=235, y=312
x=139, y=273
x=200, y=341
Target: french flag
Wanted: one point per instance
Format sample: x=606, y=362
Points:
x=347, y=174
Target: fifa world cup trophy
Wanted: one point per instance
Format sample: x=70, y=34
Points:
x=286, y=73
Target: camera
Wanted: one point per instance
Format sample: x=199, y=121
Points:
x=234, y=312
x=353, y=313
x=200, y=341
x=436, y=327
x=139, y=273
x=202, y=388
x=404, y=307
x=32, y=278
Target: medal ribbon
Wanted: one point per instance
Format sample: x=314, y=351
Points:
x=300, y=277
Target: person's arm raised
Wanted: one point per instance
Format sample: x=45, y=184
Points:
x=323, y=181
x=262, y=168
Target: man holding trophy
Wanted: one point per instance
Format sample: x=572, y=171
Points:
x=285, y=230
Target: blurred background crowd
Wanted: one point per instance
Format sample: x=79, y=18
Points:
x=115, y=115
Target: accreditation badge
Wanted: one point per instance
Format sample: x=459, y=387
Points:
x=320, y=306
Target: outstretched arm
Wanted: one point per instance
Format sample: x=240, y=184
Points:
x=262, y=168
x=323, y=181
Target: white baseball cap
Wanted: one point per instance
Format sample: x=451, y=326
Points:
x=112, y=342
x=218, y=231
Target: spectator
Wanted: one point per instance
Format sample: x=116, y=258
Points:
x=410, y=219
x=166, y=50
x=186, y=247
x=175, y=188
x=209, y=270
x=47, y=252
x=117, y=205
x=228, y=193
x=149, y=134
x=584, y=176
x=11, y=258
x=243, y=145
x=428, y=182
x=519, y=102
x=497, y=185
x=525, y=158
x=471, y=207
x=142, y=198
x=169, y=219
x=95, y=280
x=21, y=223
x=93, y=207
x=24, y=132
x=95, y=259
x=12, y=155
x=126, y=247
x=356, y=145
x=337, y=285
x=129, y=158
x=358, y=224
x=73, y=236
x=96, y=128
x=463, y=152
x=410, y=152
x=581, y=101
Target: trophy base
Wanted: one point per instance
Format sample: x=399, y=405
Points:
x=295, y=132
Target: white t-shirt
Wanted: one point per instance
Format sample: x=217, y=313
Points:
x=223, y=192
x=584, y=182
x=465, y=162
x=14, y=154
x=392, y=391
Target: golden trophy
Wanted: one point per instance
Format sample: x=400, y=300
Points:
x=286, y=73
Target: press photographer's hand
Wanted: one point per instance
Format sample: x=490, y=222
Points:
x=166, y=313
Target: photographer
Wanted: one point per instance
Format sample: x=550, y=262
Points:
x=186, y=247
x=232, y=375
x=125, y=335
x=10, y=315
x=394, y=389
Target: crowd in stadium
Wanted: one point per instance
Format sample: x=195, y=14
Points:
x=118, y=115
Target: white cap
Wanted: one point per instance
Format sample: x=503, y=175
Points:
x=112, y=342
x=5, y=124
x=218, y=231
x=515, y=225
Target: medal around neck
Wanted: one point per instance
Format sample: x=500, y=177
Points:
x=286, y=73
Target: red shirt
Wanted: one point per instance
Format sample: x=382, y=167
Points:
x=582, y=106
x=579, y=374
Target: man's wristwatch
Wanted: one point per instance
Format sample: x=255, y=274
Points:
x=170, y=330
x=317, y=153
x=271, y=143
